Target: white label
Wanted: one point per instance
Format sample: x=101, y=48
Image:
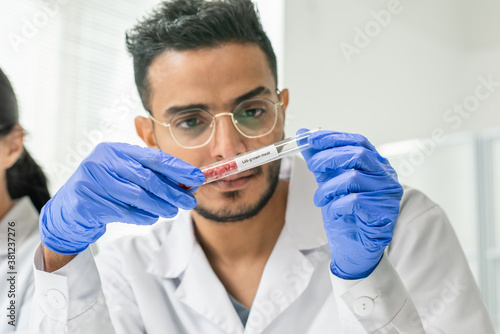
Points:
x=256, y=158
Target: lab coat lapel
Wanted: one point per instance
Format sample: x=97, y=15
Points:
x=201, y=290
x=176, y=248
x=286, y=275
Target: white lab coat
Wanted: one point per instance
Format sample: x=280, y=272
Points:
x=26, y=239
x=163, y=283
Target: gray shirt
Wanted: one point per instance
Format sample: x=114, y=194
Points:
x=242, y=311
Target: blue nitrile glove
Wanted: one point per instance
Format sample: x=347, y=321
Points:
x=359, y=195
x=116, y=183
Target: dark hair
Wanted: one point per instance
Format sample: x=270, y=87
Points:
x=194, y=24
x=25, y=177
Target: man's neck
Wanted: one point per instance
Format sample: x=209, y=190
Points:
x=245, y=240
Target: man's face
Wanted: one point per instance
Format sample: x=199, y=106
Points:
x=218, y=79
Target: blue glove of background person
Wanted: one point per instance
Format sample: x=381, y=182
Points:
x=116, y=183
x=359, y=196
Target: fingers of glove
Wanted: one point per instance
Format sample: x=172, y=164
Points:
x=378, y=208
x=347, y=157
x=150, y=182
x=106, y=175
x=111, y=210
x=325, y=177
x=321, y=140
x=133, y=196
x=351, y=181
x=169, y=166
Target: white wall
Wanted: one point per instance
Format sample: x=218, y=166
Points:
x=426, y=60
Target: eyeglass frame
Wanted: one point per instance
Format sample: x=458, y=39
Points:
x=214, y=119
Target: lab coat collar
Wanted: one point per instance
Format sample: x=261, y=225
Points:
x=173, y=256
x=25, y=217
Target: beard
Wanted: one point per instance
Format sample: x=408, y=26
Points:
x=244, y=211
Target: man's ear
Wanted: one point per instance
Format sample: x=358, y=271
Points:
x=284, y=97
x=13, y=146
x=145, y=130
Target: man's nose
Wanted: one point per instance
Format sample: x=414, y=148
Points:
x=227, y=141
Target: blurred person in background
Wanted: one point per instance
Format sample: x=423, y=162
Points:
x=23, y=192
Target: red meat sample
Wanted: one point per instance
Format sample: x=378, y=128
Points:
x=217, y=172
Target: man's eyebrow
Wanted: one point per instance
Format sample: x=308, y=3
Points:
x=253, y=93
x=176, y=109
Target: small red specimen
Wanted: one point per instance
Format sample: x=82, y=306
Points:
x=219, y=171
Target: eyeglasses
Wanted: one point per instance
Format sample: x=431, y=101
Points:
x=194, y=128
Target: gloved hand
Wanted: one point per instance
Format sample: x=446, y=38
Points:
x=116, y=183
x=359, y=196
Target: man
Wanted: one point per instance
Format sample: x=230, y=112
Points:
x=251, y=255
